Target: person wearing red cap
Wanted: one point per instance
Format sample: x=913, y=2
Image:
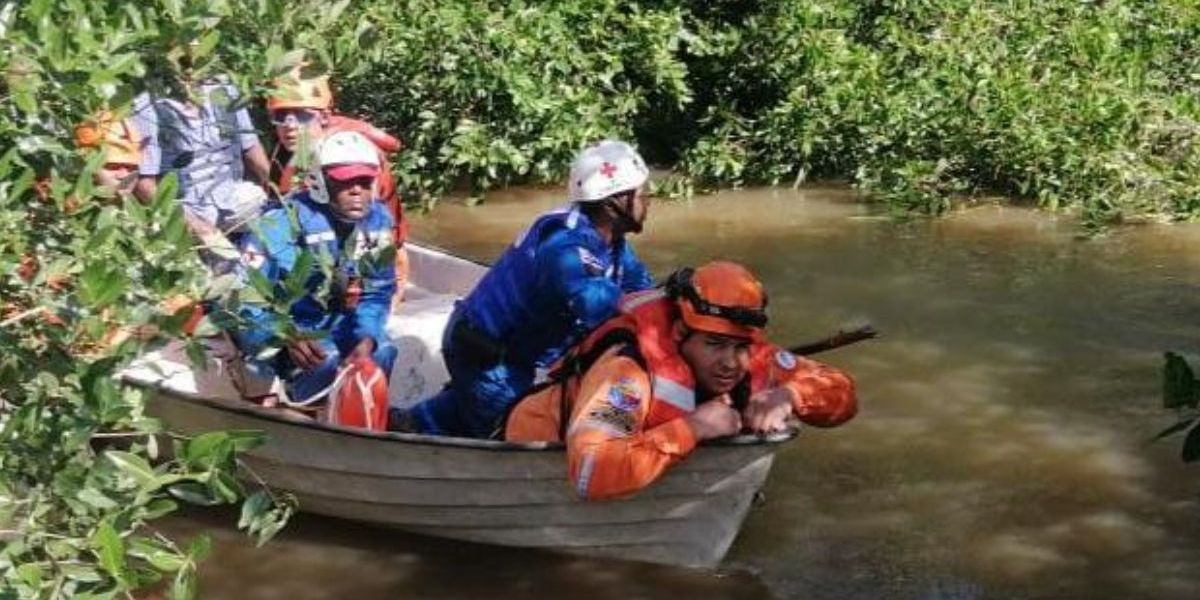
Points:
x=339, y=219
x=678, y=365
x=301, y=111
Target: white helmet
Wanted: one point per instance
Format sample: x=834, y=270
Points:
x=603, y=169
x=341, y=155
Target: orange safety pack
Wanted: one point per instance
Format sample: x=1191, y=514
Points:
x=359, y=397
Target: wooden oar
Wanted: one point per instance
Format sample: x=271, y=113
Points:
x=844, y=337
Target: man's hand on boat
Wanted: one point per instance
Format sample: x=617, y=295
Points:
x=768, y=411
x=306, y=354
x=715, y=419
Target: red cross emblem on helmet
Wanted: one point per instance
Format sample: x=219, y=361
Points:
x=608, y=169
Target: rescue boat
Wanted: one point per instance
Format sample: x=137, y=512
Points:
x=484, y=491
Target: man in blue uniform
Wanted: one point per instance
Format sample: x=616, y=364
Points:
x=347, y=230
x=559, y=280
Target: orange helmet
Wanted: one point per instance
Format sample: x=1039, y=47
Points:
x=295, y=91
x=117, y=138
x=720, y=297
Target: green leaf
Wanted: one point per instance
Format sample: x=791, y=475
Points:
x=286, y=62
x=31, y=574
x=94, y=498
x=225, y=487
x=1191, y=445
x=110, y=549
x=193, y=493
x=208, y=449
x=159, y=507
x=254, y=508
x=184, y=585
x=132, y=464
x=167, y=562
x=101, y=284
x=246, y=439
x=199, y=547
x=80, y=572
x=205, y=44
x=1179, y=383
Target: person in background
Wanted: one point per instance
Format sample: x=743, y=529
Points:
x=560, y=279
x=342, y=315
x=679, y=365
x=209, y=142
x=121, y=144
x=301, y=110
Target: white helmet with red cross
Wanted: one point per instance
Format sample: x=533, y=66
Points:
x=605, y=169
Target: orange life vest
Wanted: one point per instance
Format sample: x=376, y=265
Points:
x=646, y=318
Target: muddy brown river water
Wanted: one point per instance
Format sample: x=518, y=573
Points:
x=1001, y=450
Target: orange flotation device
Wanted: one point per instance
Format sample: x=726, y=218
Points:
x=360, y=396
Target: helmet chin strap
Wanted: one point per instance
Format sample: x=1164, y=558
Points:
x=625, y=223
x=340, y=218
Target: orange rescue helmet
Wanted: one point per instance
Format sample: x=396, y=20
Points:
x=720, y=297
x=118, y=138
x=295, y=91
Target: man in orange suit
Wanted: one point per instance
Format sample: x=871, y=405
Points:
x=679, y=365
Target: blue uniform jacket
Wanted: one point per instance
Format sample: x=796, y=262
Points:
x=557, y=282
x=358, y=250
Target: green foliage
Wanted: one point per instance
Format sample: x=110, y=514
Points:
x=82, y=474
x=1070, y=104
x=486, y=94
x=1083, y=105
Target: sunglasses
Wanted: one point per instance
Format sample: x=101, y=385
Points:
x=293, y=117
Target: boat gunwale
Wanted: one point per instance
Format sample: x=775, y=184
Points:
x=250, y=409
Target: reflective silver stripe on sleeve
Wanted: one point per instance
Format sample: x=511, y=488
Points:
x=324, y=236
x=673, y=393
x=585, y=474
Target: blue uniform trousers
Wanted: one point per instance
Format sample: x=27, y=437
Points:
x=475, y=401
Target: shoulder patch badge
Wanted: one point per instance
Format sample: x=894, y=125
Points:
x=624, y=395
x=593, y=265
x=786, y=360
x=617, y=416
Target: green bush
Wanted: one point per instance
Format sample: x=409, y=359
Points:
x=79, y=484
x=1083, y=105
x=486, y=94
